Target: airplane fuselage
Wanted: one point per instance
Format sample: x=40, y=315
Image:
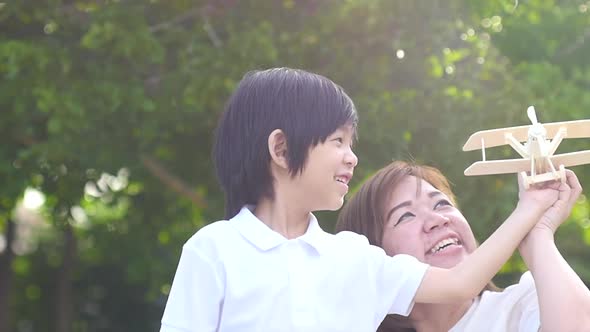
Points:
x=538, y=148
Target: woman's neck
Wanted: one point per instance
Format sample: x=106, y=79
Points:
x=437, y=317
x=283, y=217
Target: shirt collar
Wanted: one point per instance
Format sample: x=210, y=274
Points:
x=264, y=238
x=315, y=235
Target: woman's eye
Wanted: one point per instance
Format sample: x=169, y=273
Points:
x=442, y=203
x=339, y=140
x=404, y=216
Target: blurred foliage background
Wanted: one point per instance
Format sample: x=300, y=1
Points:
x=107, y=110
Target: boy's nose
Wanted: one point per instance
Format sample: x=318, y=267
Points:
x=351, y=159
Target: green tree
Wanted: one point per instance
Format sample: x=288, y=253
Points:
x=109, y=107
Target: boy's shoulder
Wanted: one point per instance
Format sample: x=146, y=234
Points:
x=211, y=234
x=347, y=241
x=350, y=238
x=213, y=229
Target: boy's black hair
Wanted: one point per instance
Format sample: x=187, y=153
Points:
x=307, y=107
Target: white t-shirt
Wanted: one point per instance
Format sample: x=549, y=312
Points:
x=516, y=309
x=239, y=275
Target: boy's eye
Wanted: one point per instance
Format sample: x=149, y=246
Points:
x=442, y=203
x=339, y=139
x=403, y=217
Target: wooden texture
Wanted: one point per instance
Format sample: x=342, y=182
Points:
x=496, y=137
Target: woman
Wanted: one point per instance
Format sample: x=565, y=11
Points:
x=410, y=209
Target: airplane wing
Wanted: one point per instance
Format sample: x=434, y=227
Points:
x=575, y=129
x=496, y=137
x=520, y=165
x=498, y=167
x=571, y=159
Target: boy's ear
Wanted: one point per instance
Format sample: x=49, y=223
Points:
x=277, y=146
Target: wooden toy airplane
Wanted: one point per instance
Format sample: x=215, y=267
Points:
x=541, y=141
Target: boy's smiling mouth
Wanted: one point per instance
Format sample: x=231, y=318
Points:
x=345, y=178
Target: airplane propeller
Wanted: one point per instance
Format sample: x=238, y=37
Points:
x=532, y=114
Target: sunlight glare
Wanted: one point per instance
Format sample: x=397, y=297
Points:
x=33, y=199
x=79, y=216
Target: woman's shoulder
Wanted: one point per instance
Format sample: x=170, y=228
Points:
x=507, y=310
x=525, y=285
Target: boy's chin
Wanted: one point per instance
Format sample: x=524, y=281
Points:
x=332, y=206
x=336, y=205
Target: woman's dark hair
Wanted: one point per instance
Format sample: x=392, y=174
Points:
x=307, y=107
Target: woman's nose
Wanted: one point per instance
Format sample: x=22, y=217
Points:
x=435, y=220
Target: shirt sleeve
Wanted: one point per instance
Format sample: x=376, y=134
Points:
x=196, y=295
x=530, y=321
x=398, y=282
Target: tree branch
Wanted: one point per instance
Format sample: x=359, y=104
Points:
x=6, y=275
x=175, y=20
x=172, y=181
x=580, y=41
x=186, y=16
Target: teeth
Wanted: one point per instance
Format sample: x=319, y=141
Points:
x=442, y=244
x=339, y=179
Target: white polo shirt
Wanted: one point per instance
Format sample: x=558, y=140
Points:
x=515, y=309
x=239, y=275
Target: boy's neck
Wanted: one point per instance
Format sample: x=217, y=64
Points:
x=283, y=218
x=438, y=317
